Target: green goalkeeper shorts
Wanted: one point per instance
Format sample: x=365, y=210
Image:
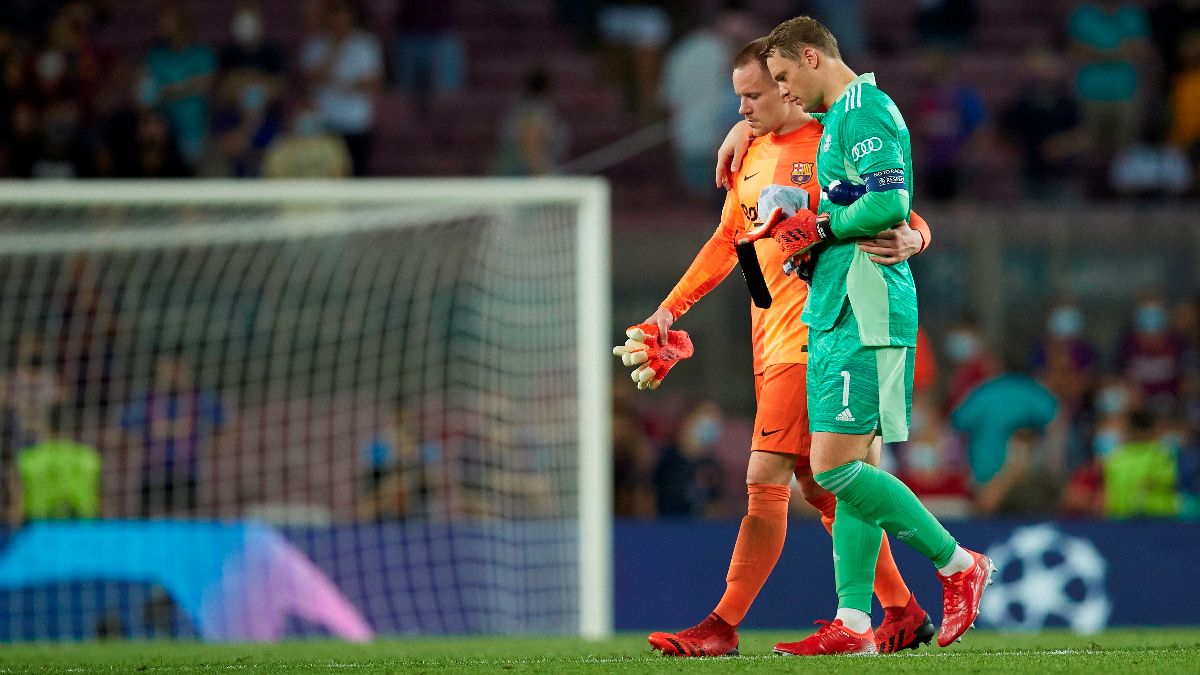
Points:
x=854, y=389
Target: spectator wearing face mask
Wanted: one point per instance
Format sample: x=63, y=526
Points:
x=1152, y=356
x=1084, y=493
x=687, y=479
x=247, y=115
x=1112, y=404
x=249, y=54
x=1064, y=361
x=972, y=362
x=1140, y=476
x=931, y=463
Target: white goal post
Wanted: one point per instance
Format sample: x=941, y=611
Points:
x=272, y=291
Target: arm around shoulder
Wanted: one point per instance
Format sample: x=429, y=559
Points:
x=918, y=223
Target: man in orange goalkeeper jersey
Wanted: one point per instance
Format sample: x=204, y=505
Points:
x=784, y=153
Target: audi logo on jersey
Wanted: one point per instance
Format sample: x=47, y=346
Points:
x=864, y=148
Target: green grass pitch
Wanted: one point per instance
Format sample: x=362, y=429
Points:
x=1124, y=651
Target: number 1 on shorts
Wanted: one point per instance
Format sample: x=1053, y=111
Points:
x=845, y=388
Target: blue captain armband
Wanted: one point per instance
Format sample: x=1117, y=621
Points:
x=845, y=193
x=888, y=179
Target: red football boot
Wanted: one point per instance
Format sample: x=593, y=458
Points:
x=832, y=638
x=906, y=627
x=710, y=637
x=961, y=593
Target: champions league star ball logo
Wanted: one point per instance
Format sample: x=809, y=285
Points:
x=1046, y=578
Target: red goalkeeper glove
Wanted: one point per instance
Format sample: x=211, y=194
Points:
x=795, y=234
x=653, y=360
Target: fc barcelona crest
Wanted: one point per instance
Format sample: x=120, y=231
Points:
x=802, y=172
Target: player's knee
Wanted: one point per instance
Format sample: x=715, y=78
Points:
x=841, y=449
x=770, y=468
x=817, y=497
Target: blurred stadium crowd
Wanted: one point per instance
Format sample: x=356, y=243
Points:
x=1068, y=432
x=1093, y=99
x=1030, y=100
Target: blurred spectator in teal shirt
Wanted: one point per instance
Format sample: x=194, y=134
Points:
x=179, y=74
x=993, y=412
x=971, y=362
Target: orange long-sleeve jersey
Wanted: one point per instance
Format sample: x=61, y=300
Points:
x=778, y=334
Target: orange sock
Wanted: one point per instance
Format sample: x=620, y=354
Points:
x=889, y=584
x=759, y=543
x=826, y=503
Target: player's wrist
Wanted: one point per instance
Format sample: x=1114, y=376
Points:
x=824, y=226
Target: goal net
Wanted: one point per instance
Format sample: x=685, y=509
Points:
x=243, y=410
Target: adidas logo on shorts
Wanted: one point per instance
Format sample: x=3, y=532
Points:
x=845, y=416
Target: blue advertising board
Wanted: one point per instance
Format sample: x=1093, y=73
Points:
x=407, y=579
x=1081, y=575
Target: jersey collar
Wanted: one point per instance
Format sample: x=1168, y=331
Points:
x=865, y=78
x=810, y=128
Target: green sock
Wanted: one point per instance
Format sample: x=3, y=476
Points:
x=855, y=549
x=884, y=500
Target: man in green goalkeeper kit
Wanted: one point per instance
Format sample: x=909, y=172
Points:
x=863, y=330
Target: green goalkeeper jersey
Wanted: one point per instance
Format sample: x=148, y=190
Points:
x=865, y=143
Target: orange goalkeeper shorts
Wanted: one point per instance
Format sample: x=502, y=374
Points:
x=781, y=424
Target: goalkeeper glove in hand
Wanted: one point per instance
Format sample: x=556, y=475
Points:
x=803, y=265
x=794, y=235
x=653, y=361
